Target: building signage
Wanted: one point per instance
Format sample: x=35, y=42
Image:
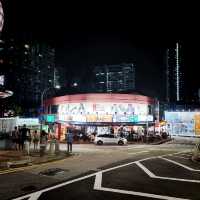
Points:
x=27, y=121
x=104, y=112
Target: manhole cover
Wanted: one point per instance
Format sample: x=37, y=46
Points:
x=29, y=188
x=52, y=171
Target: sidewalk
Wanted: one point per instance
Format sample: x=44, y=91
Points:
x=12, y=159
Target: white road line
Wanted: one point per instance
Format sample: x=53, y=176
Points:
x=98, y=180
x=179, y=157
x=181, y=165
x=152, y=175
x=35, y=194
x=148, y=172
x=177, y=179
x=98, y=184
x=155, y=196
x=134, y=153
x=182, y=152
x=55, y=186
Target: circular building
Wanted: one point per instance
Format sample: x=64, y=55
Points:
x=98, y=113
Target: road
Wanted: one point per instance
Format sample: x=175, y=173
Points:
x=109, y=172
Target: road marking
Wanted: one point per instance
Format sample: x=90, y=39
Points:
x=98, y=181
x=152, y=175
x=148, y=172
x=98, y=184
x=179, y=164
x=35, y=195
x=134, y=153
x=179, y=157
x=54, y=187
x=28, y=167
x=155, y=196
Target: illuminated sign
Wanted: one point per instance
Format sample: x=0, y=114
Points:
x=27, y=121
x=50, y=118
x=103, y=108
x=104, y=112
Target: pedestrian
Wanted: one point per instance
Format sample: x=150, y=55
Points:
x=23, y=136
x=43, y=142
x=35, y=140
x=15, y=138
x=69, y=138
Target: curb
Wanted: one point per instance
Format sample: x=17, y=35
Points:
x=14, y=166
x=161, y=142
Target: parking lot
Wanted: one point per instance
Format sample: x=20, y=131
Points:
x=170, y=177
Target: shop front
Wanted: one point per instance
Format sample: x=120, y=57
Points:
x=92, y=114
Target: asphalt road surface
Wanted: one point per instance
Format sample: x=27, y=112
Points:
x=171, y=177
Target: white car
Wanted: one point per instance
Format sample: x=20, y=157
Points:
x=109, y=139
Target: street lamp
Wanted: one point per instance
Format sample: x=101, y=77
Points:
x=44, y=92
x=42, y=101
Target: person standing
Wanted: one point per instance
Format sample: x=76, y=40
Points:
x=69, y=138
x=15, y=138
x=43, y=142
x=24, y=132
x=35, y=140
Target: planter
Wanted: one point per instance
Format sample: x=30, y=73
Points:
x=5, y=144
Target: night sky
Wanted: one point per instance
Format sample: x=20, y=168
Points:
x=88, y=35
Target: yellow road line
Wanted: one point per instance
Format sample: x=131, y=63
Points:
x=28, y=167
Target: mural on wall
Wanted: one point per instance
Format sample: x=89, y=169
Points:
x=183, y=123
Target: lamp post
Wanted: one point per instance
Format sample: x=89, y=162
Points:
x=42, y=99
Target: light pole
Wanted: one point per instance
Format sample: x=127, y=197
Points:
x=42, y=99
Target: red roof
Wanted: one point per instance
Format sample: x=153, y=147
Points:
x=100, y=97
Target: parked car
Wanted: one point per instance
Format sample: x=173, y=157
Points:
x=109, y=139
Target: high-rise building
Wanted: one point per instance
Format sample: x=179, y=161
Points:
x=29, y=68
x=174, y=74
x=115, y=78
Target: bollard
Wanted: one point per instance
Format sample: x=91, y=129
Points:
x=52, y=146
x=42, y=149
x=57, y=147
x=196, y=154
x=27, y=147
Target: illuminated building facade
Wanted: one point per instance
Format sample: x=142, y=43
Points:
x=100, y=111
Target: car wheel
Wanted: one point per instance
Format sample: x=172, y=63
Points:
x=120, y=142
x=99, y=142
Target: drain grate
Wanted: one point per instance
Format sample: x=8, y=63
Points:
x=52, y=171
x=29, y=188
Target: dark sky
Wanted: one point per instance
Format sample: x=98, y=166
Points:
x=85, y=35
